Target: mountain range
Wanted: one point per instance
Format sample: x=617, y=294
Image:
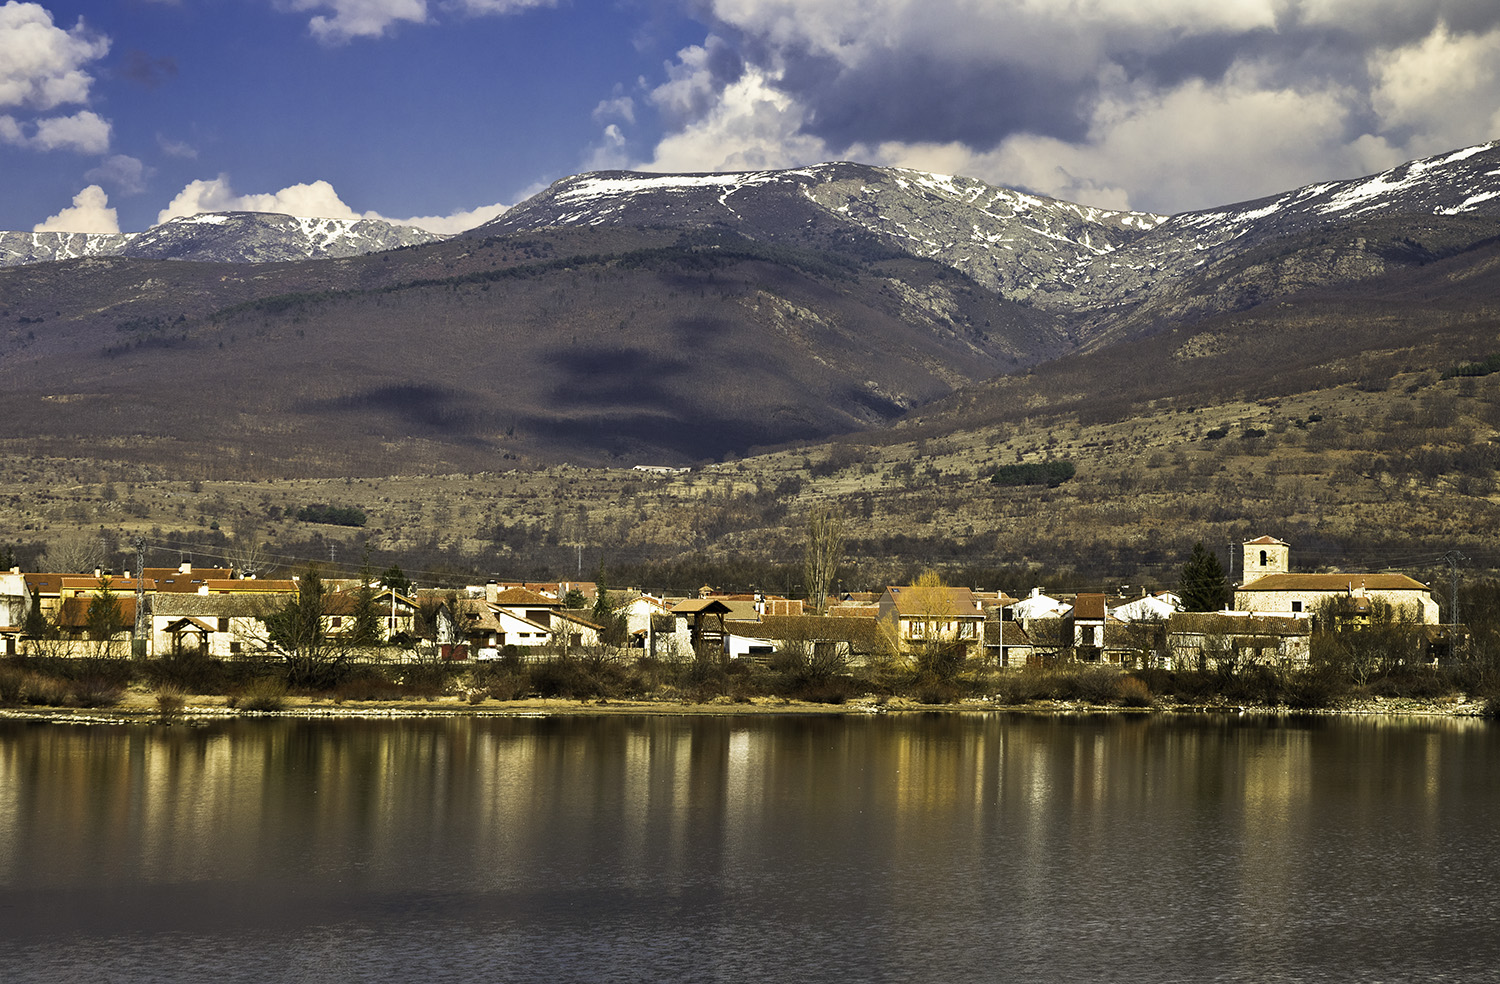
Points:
x=621, y=317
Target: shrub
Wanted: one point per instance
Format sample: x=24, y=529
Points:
x=12, y=686
x=46, y=691
x=1132, y=692
x=170, y=700
x=96, y=691
x=425, y=680
x=261, y=694
x=1313, y=689
x=1049, y=473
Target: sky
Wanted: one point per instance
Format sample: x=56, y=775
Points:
x=119, y=114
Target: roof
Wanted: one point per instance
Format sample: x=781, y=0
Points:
x=1005, y=634
x=525, y=598
x=80, y=582
x=176, y=579
x=1266, y=541
x=247, y=585
x=1217, y=623
x=210, y=606
x=701, y=606
x=1334, y=582
x=919, y=601
x=75, y=612
x=861, y=634
x=184, y=624
x=1089, y=606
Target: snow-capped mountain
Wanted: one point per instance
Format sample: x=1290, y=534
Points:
x=1053, y=254
x=17, y=248
x=221, y=237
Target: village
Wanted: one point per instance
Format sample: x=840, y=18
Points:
x=198, y=612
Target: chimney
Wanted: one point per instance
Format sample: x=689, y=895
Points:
x=185, y=567
x=491, y=592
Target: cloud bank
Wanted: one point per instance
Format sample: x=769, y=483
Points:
x=1168, y=105
x=317, y=199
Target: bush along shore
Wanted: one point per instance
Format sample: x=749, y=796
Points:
x=168, y=689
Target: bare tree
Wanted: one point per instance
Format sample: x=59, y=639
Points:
x=78, y=553
x=247, y=551
x=822, y=555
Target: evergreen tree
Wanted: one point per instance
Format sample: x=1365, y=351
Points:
x=37, y=626
x=104, y=617
x=396, y=579
x=1202, y=584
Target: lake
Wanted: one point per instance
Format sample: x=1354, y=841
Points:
x=935, y=847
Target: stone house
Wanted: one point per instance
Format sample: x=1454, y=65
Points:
x=1230, y=640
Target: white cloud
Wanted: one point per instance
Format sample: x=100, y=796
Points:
x=1444, y=90
x=127, y=174
x=610, y=153
x=447, y=225
x=750, y=126
x=359, y=18
x=478, y=8
x=1194, y=146
x=317, y=199
x=41, y=65
x=85, y=132
x=90, y=213
x=1165, y=105
x=349, y=19
x=176, y=148
x=1063, y=37
x=618, y=108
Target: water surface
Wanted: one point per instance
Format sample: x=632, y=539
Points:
x=896, y=848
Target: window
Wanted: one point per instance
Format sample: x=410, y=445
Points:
x=1296, y=606
x=1262, y=558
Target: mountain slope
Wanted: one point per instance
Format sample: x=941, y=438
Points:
x=220, y=237
x=622, y=317
x=585, y=344
x=1067, y=258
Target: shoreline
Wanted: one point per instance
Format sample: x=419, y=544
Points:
x=139, y=708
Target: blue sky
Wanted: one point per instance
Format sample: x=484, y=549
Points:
x=118, y=113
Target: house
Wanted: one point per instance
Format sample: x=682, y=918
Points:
x=651, y=627
x=218, y=626
x=1090, y=615
x=397, y=613
x=521, y=618
x=1006, y=643
x=851, y=640
x=923, y=615
x=1270, y=587
x=1229, y=640
x=1157, y=607
x=15, y=603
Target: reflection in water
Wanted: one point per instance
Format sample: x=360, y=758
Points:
x=940, y=847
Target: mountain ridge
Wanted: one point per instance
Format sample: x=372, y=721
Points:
x=220, y=237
